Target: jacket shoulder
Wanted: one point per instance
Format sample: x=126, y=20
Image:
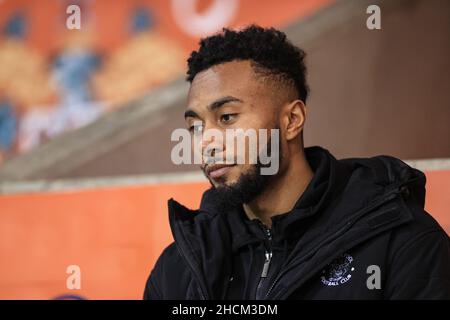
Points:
x=168, y=277
x=422, y=223
x=419, y=259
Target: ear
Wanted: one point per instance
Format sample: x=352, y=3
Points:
x=294, y=116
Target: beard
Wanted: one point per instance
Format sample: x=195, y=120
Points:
x=249, y=185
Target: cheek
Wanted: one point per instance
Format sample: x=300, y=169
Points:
x=235, y=173
x=242, y=169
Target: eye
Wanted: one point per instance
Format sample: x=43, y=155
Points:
x=228, y=117
x=196, y=128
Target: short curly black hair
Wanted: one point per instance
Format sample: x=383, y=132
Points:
x=268, y=48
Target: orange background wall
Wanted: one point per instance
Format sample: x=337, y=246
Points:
x=113, y=234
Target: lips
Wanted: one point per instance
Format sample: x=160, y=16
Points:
x=217, y=170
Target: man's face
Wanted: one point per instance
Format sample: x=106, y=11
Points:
x=230, y=96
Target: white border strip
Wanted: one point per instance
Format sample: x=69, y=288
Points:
x=62, y=185
x=430, y=164
x=58, y=185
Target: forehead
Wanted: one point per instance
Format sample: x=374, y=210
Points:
x=235, y=78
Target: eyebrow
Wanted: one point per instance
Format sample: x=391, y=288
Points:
x=220, y=102
x=213, y=106
x=190, y=113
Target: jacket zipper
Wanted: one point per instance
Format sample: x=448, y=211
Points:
x=267, y=259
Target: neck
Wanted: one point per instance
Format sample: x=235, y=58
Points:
x=283, y=192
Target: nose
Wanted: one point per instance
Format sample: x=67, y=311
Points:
x=210, y=149
x=212, y=145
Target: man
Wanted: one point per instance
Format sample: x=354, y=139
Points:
x=318, y=228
